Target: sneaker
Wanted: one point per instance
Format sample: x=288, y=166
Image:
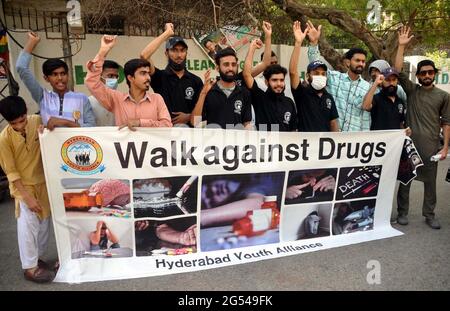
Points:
x=433, y=223
x=402, y=220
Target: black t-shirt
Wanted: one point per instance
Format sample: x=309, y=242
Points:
x=180, y=94
x=386, y=114
x=240, y=80
x=222, y=110
x=314, y=112
x=271, y=108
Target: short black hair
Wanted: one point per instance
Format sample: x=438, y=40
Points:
x=426, y=62
x=52, y=64
x=12, y=107
x=225, y=52
x=110, y=64
x=206, y=41
x=349, y=54
x=132, y=65
x=271, y=55
x=273, y=70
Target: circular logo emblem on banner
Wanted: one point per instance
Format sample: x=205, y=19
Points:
x=82, y=155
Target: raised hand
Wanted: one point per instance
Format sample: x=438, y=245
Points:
x=267, y=28
x=209, y=82
x=299, y=35
x=379, y=80
x=404, y=36
x=169, y=29
x=108, y=42
x=256, y=44
x=33, y=38
x=314, y=33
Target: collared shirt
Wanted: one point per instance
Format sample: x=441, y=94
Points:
x=272, y=109
x=180, y=94
x=50, y=104
x=348, y=95
x=314, y=112
x=232, y=110
x=20, y=159
x=150, y=110
x=387, y=114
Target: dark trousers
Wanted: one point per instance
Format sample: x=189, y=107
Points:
x=427, y=175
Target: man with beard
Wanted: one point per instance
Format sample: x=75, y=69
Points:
x=274, y=111
x=428, y=109
x=375, y=69
x=316, y=109
x=224, y=104
x=348, y=89
x=179, y=87
x=136, y=108
x=386, y=108
x=59, y=107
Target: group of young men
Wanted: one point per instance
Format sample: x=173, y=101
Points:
x=327, y=101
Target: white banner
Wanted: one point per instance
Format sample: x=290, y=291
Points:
x=159, y=201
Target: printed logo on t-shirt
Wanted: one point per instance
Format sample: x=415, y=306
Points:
x=238, y=106
x=400, y=108
x=328, y=102
x=189, y=93
x=287, y=117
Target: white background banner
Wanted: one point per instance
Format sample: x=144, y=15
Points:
x=159, y=201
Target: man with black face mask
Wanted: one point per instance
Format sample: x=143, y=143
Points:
x=386, y=108
x=428, y=110
x=179, y=87
x=273, y=110
x=224, y=104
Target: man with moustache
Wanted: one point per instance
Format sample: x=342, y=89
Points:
x=348, y=89
x=274, y=111
x=428, y=110
x=223, y=104
x=386, y=108
x=179, y=87
x=375, y=69
x=138, y=108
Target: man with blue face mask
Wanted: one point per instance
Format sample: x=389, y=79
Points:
x=316, y=109
x=110, y=77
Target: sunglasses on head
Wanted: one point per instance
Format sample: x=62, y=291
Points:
x=425, y=72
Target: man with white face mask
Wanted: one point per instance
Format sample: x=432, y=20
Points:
x=316, y=109
x=110, y=77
